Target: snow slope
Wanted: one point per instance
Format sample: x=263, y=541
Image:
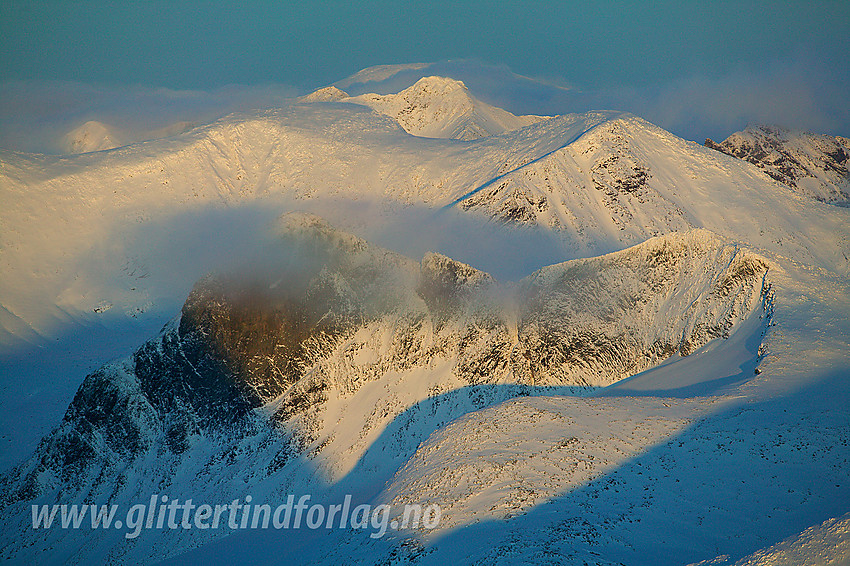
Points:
x=815, y=165
x=439, y=107
x=318, y=375
x=706, y=256
x=819, y=545
x=97, y=136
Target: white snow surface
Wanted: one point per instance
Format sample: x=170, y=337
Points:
x=97, y=136
x=820, y=545
x=814, y=164
x=692, y=459
x=440, y=107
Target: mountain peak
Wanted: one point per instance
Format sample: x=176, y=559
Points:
x=98, y=136
x=91, y=136
x=442, y=107
x=327, y=94
x=439, y=85
x=812, y=164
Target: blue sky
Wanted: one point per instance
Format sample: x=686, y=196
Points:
x=624, y=53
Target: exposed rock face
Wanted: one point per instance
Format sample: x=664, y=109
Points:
x=253, y=368
x=816, y=165
x=604, y=168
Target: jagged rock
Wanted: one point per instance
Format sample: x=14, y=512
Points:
x=815, y=165
x=280, y=368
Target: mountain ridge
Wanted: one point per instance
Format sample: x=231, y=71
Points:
x=284, y=368
x=563, y=334
x=440, y=107
x=597, y=182
x=815, y=165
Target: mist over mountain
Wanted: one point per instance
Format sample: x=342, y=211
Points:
x=563, y=328
x=801, y=93
x=814, y=164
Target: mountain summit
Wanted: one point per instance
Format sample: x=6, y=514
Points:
x=435, y=107
x=334, y=364
x=562, y=333
x=813, y=164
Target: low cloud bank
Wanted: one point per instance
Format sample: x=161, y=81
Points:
x=36, y=116
x=804, y=92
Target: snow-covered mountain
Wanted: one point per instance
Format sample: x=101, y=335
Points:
x=664, y=334
x=597, y=182
x=312, y=360
x=496, y=85
x=97, y=136
x=91, y=136
x=816, y=165
x=326, y=94
x=440, y=107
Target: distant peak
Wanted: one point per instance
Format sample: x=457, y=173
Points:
x=445, y=283
x=91, y=136
x=306, y=227
x=440, y=84
x=379, y=73
x=813, y=164
x=301, y=224
x=768, y=128
x=327, y=94
x=438, y=266
x=442, y=107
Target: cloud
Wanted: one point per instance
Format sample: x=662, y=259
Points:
x=804, y=92
x=801, y=94
x=36, y=115
x=244, y=239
